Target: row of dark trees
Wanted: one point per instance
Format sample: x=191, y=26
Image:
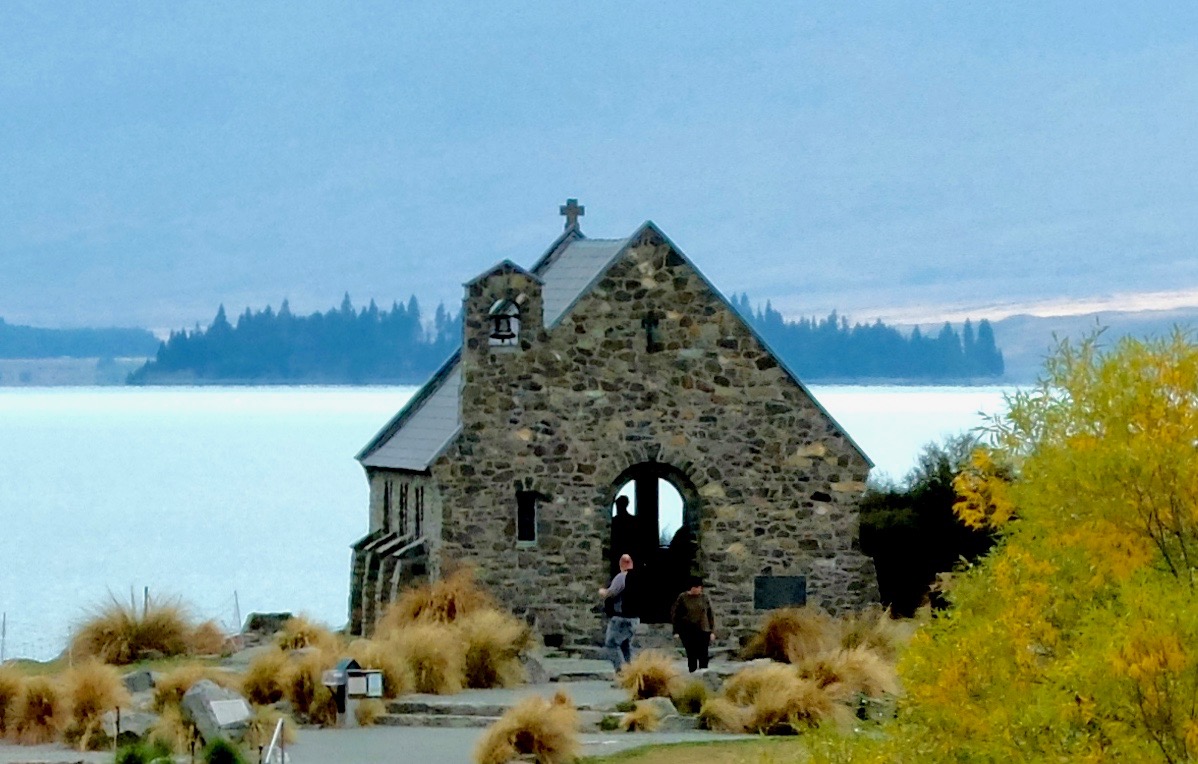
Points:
x=343, y=345
x=831, y=349
x=32, y=342
x=349, y=345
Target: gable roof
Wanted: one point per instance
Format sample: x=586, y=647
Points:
x=568, y=269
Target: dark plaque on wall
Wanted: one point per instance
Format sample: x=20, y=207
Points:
x=771, y=592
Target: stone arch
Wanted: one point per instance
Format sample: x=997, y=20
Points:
x=667, y=565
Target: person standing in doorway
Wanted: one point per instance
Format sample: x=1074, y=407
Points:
x=694, y=623
x=623, y=620
x=623, y=529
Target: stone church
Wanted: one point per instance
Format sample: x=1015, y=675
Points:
x=612, y=367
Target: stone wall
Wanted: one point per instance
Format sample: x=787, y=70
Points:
x=578, y=403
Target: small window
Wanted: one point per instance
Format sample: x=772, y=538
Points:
x=652, y=333
x=387, y=506
x=505, y=324
x=419, y=524
x=403, y=509
x=526, y=516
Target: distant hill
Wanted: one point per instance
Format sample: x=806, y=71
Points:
x=1027, y=340
x=32, y=342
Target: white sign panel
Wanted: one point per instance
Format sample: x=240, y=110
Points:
x=230, y=711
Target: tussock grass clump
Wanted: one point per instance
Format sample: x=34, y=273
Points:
x=120, y=633
x=91, y=690
x=546, y=730
x=398, y=678
x=264, y=680
x=642, y=718
x=650, y=674
x=208, y=638
x=368, y=711
x=435, y=656
x=300, y=632
x=12, y=684
x=722, y=715
x=172, y=731
x=41, y=713
x=851, y=672
x=493, y=643
x=445, y=601
x=778, y=701
x=262, y=727
x=876, y=629
x=301, y=681
x=790, y=634
x=690, y=696
x=172, y=686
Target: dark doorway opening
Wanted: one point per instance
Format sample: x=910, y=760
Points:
x=654, y=518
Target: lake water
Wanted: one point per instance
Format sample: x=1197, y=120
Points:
x=200, y=493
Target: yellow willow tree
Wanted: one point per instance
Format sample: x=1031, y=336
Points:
x=1076, y=639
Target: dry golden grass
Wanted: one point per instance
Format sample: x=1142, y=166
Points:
x=650, y=674
x=546, y=730
x=849, y=672
x=301, y=681
x=875, y=629
x=790, y=634
x=172, y=731
x=121, y=634
x=300, y=632
x=170, y=688
x=445, y=601
x=263, y=680
x=689, y=696
x=493, y=643
x=91, y=689
x=12, y=683
x=434, y=654
x=779, y=701
x=323, y=710
x=208, y=638
x=262, y=727
x=40, y=713
x=368, y=711
x=398, y=678
x=642, y=718
x=722, y=715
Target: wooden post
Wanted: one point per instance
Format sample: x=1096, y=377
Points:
x=237, y=611
x=3, y=634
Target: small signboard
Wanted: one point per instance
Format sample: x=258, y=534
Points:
x=770, y=592
x=228, y=712
x=332, y=678
x=356, y=685
x=374, y=684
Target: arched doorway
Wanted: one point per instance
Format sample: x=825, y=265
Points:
x=655, y=518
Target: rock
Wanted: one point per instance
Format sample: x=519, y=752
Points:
x=678, y=723
x=534, y=669
x=216, y=712
x=140, y=681
x=264, y=624
x=134, y=724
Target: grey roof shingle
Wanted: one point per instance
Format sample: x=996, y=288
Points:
x=426, y=431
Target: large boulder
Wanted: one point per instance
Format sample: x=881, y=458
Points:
x=135, y=725
x=216, y=712
x=140, y=681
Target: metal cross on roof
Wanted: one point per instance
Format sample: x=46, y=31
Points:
x=573, y=211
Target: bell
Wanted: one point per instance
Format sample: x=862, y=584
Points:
x=502, y=331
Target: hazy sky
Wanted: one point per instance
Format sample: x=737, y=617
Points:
x=885, y=159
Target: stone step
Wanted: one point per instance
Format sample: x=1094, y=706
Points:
x=450, y=708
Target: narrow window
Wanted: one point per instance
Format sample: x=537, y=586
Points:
x=387, y=506
x=419, y=511
x=526, y=516
x=403, y=509
x=652, y=333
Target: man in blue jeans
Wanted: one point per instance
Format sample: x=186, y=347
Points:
x=623, y=623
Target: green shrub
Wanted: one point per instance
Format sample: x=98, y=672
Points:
x=221, y=751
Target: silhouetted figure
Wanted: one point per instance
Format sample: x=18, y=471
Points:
x=694, y=623
x=623, y=530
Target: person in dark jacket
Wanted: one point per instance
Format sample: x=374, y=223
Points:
x=694, y=623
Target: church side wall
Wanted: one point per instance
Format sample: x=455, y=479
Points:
x=580, y=404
